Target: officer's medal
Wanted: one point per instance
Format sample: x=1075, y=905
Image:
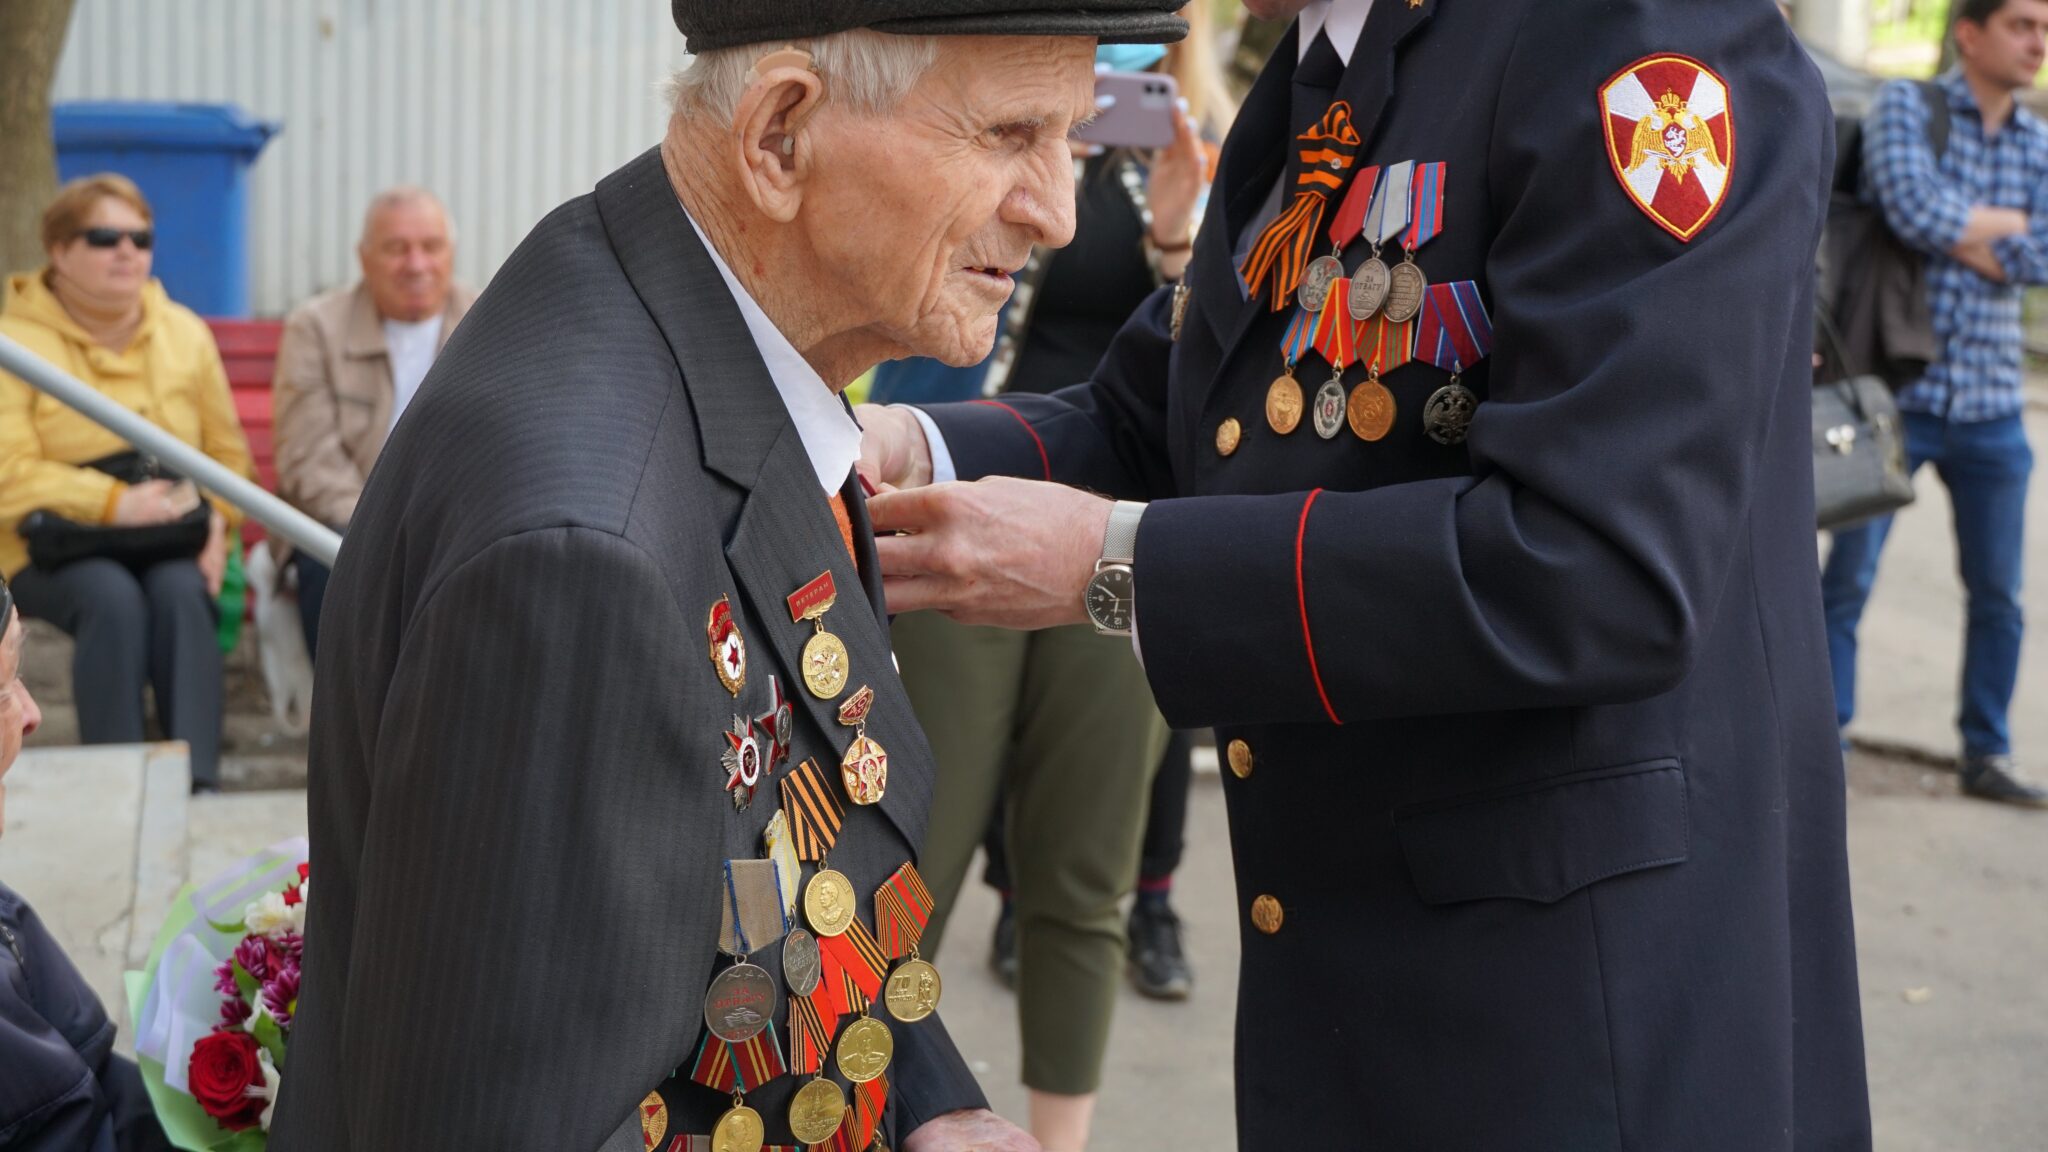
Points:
x=1284, y=399
x=728, y=647
x=1384, y=345
x=864, y=770
x=1385, y=219
x=740, y=1129
x=1455, y=333
x=1407, y=283
x=817, y=1109
x=825, y=664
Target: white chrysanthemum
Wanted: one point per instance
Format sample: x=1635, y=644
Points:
x=271, y=915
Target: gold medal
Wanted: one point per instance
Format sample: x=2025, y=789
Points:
x=865, y=1049
x=739, y=1130
x=825, y=663
x=913, y=991
x=828, y=902
x=864, y=770
x=1370, y=411
x=653, y=1120
x=1284, y=403
x=816, y=1111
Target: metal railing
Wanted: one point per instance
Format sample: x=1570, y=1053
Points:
x=304, y=533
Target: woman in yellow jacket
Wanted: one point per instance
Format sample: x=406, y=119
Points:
x=95, y=312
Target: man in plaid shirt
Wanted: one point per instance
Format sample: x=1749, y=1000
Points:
x=1980, y=213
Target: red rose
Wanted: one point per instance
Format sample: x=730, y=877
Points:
x=223, y=1068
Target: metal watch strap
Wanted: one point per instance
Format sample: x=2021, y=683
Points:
x=1120, y=539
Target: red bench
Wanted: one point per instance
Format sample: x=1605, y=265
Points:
x=249, y=350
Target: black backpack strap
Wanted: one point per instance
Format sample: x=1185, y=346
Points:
x=1938, y=116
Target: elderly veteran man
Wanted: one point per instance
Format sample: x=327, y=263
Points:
x=352, y=359
x=1480, y=526
x=614, y=790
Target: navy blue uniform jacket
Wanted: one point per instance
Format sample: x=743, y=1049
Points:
x=1543, y=776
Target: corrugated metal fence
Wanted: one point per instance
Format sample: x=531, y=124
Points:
x=505, y=108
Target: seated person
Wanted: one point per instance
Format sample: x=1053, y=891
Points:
x=351, y=361
x=63, y=1090
x=95, y=312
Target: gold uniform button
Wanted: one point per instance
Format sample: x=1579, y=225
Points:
x=1240, y=759
x=1267, y=915
x=1228, y=435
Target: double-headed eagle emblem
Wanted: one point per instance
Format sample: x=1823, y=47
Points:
x=1674, y=138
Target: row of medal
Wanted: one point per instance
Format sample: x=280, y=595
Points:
x=835, y=968
x=757, y=745
x=1382, y=317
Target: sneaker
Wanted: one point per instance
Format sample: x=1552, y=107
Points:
x=1997, y=778
x=1002, y=951
x=1159, y=966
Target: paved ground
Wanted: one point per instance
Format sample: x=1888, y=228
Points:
x=1953, y=925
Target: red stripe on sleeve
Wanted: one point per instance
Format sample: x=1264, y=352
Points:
x=1042, y=457
x=1308, y=638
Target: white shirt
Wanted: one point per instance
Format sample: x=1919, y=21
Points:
x=830, y=437
x=411, y=345
x=1342, y=20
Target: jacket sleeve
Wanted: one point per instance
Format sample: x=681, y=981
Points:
x=28, y=481
x=1902, y=176
x=55, y=1040
x=1107, y=435
x=314, y=470
x=538, y=881
x=220, y=426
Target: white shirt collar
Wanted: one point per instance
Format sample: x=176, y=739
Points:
x=830, y=437
x=1343, y=20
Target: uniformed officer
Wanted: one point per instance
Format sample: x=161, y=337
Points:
x=1487, y=548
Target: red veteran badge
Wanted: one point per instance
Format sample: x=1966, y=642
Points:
x=1671, y=140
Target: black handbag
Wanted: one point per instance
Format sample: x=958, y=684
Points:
x=54, y=541
x=1859, y=444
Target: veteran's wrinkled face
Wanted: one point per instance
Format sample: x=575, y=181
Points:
x=923, y=216
x=408, y=260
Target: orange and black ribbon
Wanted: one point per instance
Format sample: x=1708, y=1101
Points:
x=815, y=813
x=1325, y=154
x=903, y=905
x=856, y=952
x=857, y=1130
x=809, y=1037
x=738, y=1067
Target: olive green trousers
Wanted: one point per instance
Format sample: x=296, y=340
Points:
x=1060, y=726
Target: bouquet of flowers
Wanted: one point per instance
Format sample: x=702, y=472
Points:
x=213, y=1008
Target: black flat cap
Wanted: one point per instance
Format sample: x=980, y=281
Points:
x=710, y=24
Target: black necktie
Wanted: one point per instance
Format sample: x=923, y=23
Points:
x=1315, y=85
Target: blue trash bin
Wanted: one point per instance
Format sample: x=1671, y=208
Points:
x=192, y=162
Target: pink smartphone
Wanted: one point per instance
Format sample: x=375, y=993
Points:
x=1138, y=110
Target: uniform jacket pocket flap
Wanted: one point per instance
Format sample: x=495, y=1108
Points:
x=1545, y=842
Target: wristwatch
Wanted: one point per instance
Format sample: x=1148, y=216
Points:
x=1110, y=597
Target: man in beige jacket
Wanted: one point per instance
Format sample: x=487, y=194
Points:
x=351, y=361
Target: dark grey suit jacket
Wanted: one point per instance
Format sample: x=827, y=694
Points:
x=518, y=813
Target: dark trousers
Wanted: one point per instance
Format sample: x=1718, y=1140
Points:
x=1166, y=822
x=312, y=593
x=156, y=628
x=1985, y=467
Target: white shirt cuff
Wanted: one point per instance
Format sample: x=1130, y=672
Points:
x=943, y=471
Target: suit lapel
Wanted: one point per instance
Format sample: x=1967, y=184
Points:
x=1368, y=86
x=785, y=534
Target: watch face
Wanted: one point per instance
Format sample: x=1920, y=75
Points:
x=1109, y=598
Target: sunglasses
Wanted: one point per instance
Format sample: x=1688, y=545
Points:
x=143, y=238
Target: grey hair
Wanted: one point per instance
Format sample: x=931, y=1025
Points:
x=866, y=71
x=401, y=195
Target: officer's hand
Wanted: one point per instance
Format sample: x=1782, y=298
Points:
x=975, y=1131
x=1014, y=553
x=893, y=452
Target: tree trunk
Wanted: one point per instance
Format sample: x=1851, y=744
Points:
x=31, y=39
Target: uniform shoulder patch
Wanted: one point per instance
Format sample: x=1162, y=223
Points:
x=1670, y=139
